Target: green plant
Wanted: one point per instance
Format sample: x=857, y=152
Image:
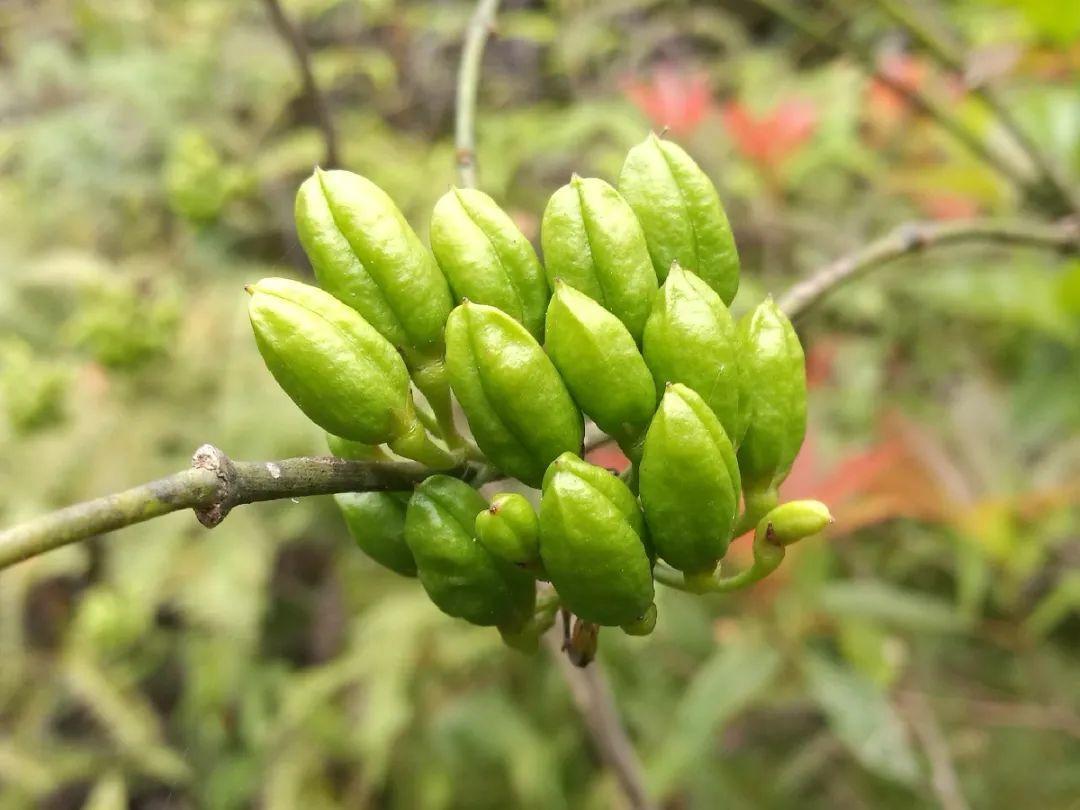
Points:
x=524, y=405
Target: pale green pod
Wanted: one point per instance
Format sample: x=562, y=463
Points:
x=376, y=521
x=510, y=529
x=690, y=338
x=681, y=214
x=774, y=396
x=601, y=364
x=487, y=258
x=792, y=521
x=342, y=374
x=366, y=254
x=592, y=544
x=593, y=242
x=462, y=578
x=356, y=451
x=519, y=410
x=689, y=483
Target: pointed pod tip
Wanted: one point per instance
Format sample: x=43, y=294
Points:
x=249, y=289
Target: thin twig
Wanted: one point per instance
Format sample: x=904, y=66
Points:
x=951, y=57
x=593, y=699
x=1018, y=715
x=302, y=56
x=468, y=83
x=213, y=486
x=916, y=237
x=929, y=106
x=943, y=778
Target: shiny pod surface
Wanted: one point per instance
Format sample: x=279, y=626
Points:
x=510, y=529
x=365, y=253
x=690, y=338
x=462, y=578
x=376, y=522
x=792, y=521
x=355, y=451
x=681, y=214
x=592, y=544
x=774, y=374
x=689, y=482
x=600, y=364
x=487, y=259
x=340, y=372
x=519, y=410
x=594, y=243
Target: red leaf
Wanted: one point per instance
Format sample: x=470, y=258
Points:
x=773, y=137
x=672, y=99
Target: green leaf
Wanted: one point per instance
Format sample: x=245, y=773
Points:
x=906, y=610
x=861, y=716
x=730, y=681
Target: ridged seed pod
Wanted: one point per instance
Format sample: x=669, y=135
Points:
x=519, y=410
x=689, y=483
x=681, y=214
x=342, y=374
x=355, y=451
x=593, y=544
x=774, y=398
x=365, y=254
x=487, y=259
x=339, y=371
x=690, y=338
x=376, y=521
x=594, y=243
x=510, y=530
x=462, y=578
x=600, y=364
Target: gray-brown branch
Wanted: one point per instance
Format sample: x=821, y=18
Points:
x=212, y=486
x=302, y=56
x=951, y=56
x=592, y=698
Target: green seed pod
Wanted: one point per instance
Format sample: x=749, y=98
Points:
x=690, y=338
x=366, y=254
x=355, y=451
x=462, y=578
x=487, y=259
x=681, y=214
x=341, y=373
x=689, y=483
x=519, y=410
x=376, y=521
x=594, y=243
x=774, y=396
x=643, y=626
x=600, y=364
x=592, y=543
x=510, y=529
x=792, y=521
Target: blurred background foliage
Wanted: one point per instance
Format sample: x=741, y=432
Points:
x=924, y=653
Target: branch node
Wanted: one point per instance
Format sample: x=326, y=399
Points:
x=912, y=237
x=208, y=457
